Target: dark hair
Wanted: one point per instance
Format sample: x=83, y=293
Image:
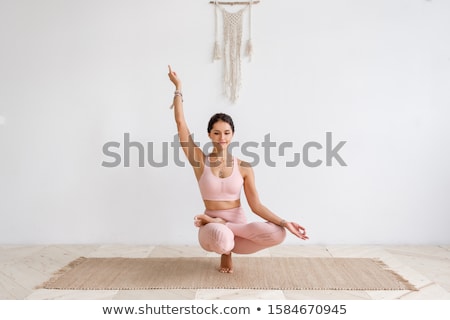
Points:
x=220, y=117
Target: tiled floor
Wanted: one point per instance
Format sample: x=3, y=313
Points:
x=22, y=268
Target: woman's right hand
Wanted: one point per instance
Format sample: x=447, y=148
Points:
x=174, y=78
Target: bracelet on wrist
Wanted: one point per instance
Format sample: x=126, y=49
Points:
x=283, y=223
x=175, y=94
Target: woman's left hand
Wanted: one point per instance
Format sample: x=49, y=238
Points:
x=297, y=230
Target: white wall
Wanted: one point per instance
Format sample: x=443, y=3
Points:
x=77, y=74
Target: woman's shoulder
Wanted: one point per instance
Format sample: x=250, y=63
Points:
x=244, y=165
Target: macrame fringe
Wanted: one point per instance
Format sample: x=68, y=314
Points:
x=249, y=49
x=217, y=53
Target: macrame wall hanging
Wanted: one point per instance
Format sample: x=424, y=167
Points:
x=230, y=50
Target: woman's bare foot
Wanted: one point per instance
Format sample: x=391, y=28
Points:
x=226, y=264
x=202, y=219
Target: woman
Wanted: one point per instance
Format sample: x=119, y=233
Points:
x=223, y=227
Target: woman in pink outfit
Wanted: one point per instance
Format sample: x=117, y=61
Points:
x=223, y=227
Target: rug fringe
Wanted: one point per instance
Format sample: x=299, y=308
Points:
x=225, y=288
x=57, y=274
x=408, y=285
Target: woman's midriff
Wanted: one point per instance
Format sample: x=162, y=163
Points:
x=221, y=205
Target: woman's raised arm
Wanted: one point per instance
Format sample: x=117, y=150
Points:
x=193, y=152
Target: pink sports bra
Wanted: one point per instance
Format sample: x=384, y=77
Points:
x=220, y=189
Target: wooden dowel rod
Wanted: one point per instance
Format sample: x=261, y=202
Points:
x=233, y=3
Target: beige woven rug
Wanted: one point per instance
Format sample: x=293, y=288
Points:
x=249, y=273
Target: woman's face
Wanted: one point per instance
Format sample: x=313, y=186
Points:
x=221, y=134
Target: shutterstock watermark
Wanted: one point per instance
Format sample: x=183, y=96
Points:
x=313, y=153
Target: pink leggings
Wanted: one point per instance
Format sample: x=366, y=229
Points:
x=237, y=235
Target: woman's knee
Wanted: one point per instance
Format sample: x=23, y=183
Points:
x=280, y=236
x=276, y=234
x=216, y=237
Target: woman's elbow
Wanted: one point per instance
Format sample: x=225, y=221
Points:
x=255, y=207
